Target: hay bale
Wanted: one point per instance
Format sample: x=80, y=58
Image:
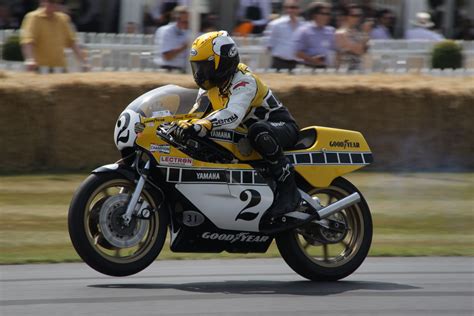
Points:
x=66, y=121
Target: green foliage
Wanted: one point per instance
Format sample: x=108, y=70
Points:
x=447, y=54
x=12, y=49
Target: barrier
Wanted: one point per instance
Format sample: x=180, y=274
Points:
x=132, y=52
x=66, y=121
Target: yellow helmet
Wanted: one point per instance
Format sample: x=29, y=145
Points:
x=214, y=59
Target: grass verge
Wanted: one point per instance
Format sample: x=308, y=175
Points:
x=421, y=214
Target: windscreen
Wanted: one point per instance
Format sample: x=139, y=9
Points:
x=164, y=101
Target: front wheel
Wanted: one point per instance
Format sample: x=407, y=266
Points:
x=97, y=231
x=335, y=247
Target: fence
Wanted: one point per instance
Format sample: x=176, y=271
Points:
x=135, y=52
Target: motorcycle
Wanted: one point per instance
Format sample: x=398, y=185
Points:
x=212, y=194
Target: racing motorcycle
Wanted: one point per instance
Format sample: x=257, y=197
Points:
x=212, y=193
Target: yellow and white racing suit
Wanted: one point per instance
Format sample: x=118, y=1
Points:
x=248, y=101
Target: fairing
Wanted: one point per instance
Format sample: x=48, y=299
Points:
x=161, y=102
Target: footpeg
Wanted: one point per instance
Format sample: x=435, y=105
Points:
x=319, y=213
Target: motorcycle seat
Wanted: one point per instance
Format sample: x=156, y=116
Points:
x=306, y=139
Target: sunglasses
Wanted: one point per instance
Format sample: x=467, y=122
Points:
x=356, y=15
x=292, y=7
x=324, y=13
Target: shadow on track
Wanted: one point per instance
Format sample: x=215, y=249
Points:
x=267, y=287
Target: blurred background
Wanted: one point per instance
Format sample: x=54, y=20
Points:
x=454, y=18
x=123, y=34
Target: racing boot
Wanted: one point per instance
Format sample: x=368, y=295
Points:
x=287, y=195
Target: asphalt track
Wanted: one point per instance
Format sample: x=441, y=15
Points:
x=382, y=286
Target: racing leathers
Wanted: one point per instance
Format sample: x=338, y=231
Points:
x=246, y=100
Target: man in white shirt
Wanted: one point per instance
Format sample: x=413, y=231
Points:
x=172, y=40
x=422, y=29
x=280, y=33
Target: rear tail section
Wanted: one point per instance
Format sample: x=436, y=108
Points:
x=323, y=154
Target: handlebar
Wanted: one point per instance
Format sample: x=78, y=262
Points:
x=165, y=131
x=194, y=145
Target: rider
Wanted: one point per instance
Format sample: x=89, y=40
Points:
x=239, y=97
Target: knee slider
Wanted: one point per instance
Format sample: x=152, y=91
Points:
x=263, y=141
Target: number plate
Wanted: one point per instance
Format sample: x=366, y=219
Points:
x=192, y=218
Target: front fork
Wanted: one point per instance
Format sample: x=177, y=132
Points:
x=133, y=204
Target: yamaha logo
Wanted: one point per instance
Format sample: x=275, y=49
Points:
x=208, y=176
x=221, y=134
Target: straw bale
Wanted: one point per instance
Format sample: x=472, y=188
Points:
x=412, y=122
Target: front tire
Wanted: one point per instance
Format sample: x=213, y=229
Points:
x=99, y=238
x=320, y=254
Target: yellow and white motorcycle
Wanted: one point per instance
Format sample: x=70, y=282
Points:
x=212, y=193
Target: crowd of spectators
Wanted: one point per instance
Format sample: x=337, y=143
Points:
x=315, y=34
x=316, y=43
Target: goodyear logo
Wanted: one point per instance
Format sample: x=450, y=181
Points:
x=344, y=144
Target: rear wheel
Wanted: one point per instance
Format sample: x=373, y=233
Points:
x=335, y=247
x=97, y=231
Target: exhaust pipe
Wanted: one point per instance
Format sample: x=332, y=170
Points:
x=335, y=207
x=324, y=211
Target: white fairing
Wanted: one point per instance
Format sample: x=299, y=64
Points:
x=124, y=134
x=230, y=206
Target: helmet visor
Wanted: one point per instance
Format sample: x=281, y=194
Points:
x=202, y=72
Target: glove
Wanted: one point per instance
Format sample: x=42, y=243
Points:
x=186, y=128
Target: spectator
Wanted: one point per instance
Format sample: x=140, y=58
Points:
x=422, y=29
x=382, y=29
x=45, y=33
x=337, y=10
x=314, y=41
x=280, y=33
x=172, y=40
x=352, y=44
x=254, y=12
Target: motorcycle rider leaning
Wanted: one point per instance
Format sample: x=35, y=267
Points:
x=238, y=97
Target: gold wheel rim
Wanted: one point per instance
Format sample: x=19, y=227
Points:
x=97, y=240
x=338, y=254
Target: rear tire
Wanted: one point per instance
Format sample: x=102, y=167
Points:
x=135, y=248
x=319, y=261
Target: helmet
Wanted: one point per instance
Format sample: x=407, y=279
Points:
x=214, y=59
